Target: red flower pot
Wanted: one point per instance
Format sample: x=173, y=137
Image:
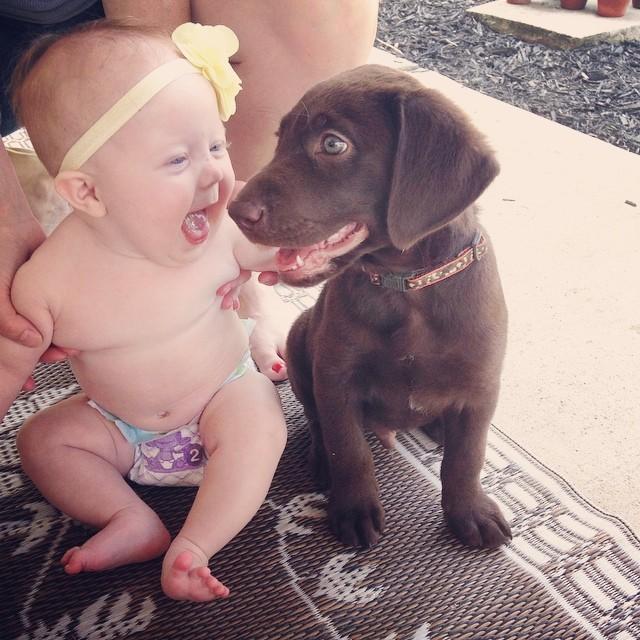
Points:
x=574, y=5
x=612, y=8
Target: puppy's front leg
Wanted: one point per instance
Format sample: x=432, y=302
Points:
x=355, y=513
x=472, y=516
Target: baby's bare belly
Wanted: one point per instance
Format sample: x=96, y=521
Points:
x=166, y=382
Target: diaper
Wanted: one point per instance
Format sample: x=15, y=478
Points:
x=174, y=458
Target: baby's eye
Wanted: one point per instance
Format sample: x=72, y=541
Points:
x=219, y=147
x=178, y=161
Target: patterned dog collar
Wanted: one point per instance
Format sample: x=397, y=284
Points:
x=421, y=279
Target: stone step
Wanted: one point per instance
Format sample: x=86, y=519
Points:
x=545, y=22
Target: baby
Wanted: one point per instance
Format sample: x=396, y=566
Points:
x=130, y=125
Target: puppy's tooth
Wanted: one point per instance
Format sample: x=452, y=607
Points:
x=299, y=261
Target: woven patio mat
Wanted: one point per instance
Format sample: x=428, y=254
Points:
x=569, y=573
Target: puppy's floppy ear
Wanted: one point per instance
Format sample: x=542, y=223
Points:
x=442, y=164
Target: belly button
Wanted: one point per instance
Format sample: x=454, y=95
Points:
x=163, y=414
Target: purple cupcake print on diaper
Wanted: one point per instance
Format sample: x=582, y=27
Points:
x=173, y=452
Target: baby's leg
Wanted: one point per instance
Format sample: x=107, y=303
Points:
x=244, y=433
x=77, y=460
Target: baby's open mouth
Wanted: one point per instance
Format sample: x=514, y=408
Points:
x=308, y=261
x=195, y=226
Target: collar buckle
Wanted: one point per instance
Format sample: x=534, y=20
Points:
x=394, y=281
x=478, y=246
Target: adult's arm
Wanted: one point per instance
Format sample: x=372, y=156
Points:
x=20, y=235
x=167, y=14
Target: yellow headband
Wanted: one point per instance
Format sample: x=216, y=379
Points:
x=207, y=50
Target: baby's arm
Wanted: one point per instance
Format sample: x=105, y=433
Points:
x=250, y=256
x=16, y=361
x=267, y=340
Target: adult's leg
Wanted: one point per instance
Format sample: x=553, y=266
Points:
x=244, y=433
x=77, y=459
x=285, y=48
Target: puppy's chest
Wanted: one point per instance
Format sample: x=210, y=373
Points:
x=412, y=373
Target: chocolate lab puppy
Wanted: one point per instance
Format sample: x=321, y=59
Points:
x=372, y=187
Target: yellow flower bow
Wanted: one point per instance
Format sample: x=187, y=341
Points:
x=209, y=48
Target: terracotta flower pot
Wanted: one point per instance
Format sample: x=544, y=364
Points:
x=574, y=5
x=612, y=8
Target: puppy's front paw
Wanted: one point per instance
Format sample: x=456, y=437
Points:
x=357, y=523
x=478, y=523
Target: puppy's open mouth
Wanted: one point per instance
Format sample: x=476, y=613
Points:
x=304, y=262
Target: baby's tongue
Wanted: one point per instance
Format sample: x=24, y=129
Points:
x=195, y=226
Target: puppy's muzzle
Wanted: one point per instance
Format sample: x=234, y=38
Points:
x=247, y=215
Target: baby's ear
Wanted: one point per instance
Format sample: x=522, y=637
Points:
x=79, y=190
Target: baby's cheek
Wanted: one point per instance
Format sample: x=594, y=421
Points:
x=227, y=184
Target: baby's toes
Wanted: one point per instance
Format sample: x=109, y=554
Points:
x=67, y=556
x=203, y=572
x=217, y=588
x=277, y=371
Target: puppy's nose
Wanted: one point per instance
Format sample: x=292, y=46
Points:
x=246, y=214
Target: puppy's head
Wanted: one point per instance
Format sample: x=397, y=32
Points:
x=369, y=159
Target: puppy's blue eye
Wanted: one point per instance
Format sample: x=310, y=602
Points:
x=333, y=145
x=177, y=161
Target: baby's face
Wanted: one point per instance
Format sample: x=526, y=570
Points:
x=165, y=178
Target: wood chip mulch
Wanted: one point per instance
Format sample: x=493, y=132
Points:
x=594, y=88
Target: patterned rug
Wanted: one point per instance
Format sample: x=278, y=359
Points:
x=570, y=572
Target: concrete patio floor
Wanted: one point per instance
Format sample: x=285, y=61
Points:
x=564, y=216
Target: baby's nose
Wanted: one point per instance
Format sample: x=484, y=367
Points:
x=211, y=173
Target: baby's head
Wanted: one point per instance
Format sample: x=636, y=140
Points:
x=130, y=124
x=64, y=83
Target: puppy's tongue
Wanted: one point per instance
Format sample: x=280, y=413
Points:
x=195, y=226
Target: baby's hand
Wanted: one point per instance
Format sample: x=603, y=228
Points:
x=230, y=291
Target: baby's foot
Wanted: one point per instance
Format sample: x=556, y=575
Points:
x=132, y=535
x=267, y=345
x=186, y=575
